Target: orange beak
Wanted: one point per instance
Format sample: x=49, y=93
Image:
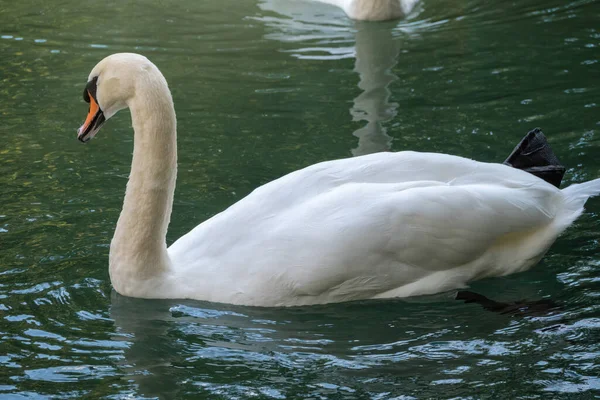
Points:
x=91, y=113
x=93, y=121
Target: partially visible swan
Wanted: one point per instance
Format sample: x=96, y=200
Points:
x=374, y=47
x=376, y=226
x=374, y=10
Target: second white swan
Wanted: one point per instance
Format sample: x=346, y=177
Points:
x=377, y=226
x=374, y=10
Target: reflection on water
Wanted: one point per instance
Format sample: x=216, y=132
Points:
x=354, y=349
x=373, y=45
x=306, y=22
x=376, y=56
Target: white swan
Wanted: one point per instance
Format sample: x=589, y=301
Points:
x=374, y=10
x=377, y=226
x=374, y=47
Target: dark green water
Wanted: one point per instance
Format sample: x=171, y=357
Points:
x=261, y=90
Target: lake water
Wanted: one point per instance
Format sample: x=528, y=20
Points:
x=261, y=88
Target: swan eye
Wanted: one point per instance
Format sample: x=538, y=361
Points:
x=90, y=89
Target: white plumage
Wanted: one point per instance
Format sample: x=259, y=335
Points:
x=376, y=226
x=382, y=225
x=374, y=10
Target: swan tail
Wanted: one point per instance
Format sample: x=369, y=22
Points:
x=578, y=193
x=534, y=155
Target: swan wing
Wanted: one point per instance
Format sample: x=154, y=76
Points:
x=378, y=237
x=361, y=227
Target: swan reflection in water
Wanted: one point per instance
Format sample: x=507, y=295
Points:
x=185, y=346
x=176, y=347
x=374, y=45
x=376, y=55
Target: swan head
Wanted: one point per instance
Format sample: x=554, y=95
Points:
x=110, y=86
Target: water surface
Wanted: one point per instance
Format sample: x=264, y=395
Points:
x=263, y=88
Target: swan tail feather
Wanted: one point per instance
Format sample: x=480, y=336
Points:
x=534, y=155
x=578, y=193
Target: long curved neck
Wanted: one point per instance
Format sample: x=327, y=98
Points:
x=138, y=250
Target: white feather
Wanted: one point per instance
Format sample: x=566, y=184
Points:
x=373, y=10
x=381, y=225
x=376, y=226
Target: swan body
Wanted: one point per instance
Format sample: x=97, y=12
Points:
x=374, y=10
x=376, y=226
